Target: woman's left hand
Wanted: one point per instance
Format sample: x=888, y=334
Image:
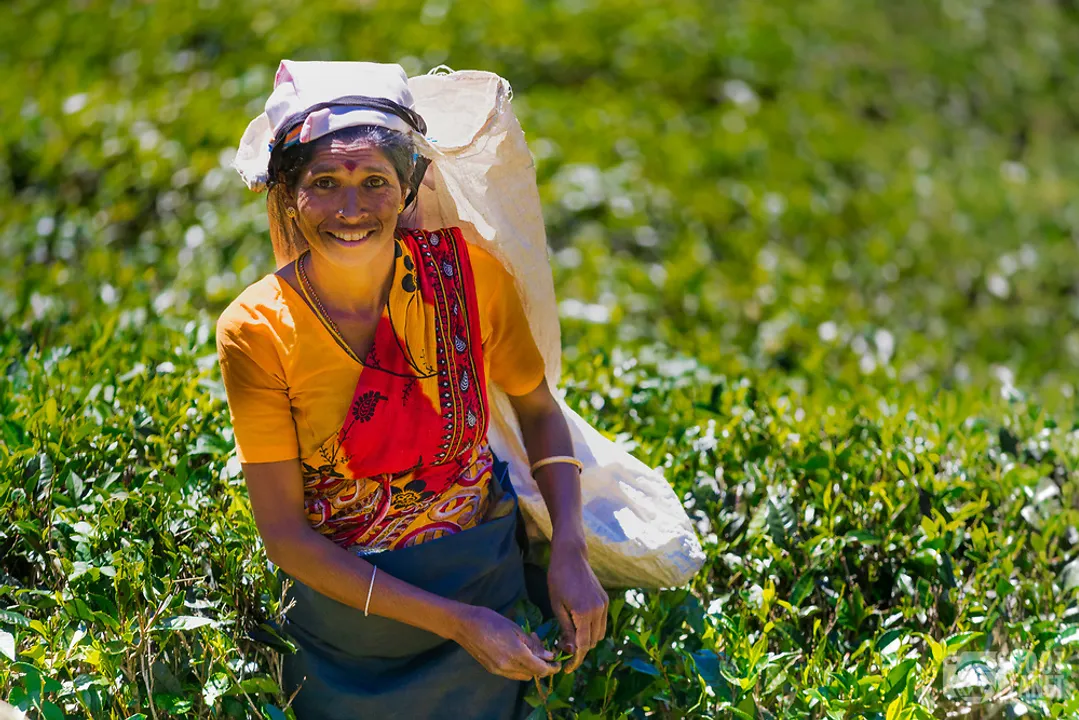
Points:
x=578, y=601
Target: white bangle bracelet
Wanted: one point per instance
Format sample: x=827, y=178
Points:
x=370, y=587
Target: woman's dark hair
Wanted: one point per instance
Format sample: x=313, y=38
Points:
x=287, y=165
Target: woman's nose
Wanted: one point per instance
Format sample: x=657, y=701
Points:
x=351, y=205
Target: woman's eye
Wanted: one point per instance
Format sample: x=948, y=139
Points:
x=324, y=182
x=376, y=182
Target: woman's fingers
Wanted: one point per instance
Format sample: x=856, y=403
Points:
x=516, y=675
x=532, y=658
x=504, y=649
x=568, y=640
x=579, y=646
x=568, y=637
x=532, y=666
x=522, y=665
x=590, y=627
x=536, y=645
x=598, y=624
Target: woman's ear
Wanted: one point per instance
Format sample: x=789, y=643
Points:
x=289, y=201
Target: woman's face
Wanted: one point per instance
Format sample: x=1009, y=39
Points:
x=347, y=202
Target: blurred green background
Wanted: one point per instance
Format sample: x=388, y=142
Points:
x=816, y=260
x=857, y=188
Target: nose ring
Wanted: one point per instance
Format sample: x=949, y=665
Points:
x=362, y=213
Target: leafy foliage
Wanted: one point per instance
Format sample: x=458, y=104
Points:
x=815, y=261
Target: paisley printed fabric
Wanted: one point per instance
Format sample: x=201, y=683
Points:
x=410, y=461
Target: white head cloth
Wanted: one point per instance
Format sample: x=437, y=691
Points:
x=300, y=86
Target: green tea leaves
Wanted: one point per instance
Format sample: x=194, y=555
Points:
x=643, y=666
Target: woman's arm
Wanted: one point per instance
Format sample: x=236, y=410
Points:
x=578, y=600
x=276, y=492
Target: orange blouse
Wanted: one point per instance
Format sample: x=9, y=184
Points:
x=290, y=383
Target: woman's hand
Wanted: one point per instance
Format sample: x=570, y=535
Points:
x=577, y=598
x=578, y=601
x=502, y=647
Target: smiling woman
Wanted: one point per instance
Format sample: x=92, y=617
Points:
x=343, y=194
x=318, y=174
x=357, y=379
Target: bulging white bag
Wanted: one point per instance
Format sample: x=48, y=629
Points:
x=482, y=179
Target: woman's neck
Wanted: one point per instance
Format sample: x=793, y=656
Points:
x=354, y=293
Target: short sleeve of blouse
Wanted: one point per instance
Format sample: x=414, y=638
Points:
x=255, y=384
x=515, y=362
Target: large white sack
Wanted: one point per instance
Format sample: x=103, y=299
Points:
x=482, y=179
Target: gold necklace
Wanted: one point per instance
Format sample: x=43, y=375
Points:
x=309, y=291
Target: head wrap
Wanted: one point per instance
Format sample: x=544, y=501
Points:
x=312, y=99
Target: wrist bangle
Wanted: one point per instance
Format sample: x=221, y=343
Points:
x=568, y=459
x=370, y=587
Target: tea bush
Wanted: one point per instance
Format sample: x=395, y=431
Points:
x=815, y=260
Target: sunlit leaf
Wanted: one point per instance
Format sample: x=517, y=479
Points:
x=7, y=645
x=184, y=622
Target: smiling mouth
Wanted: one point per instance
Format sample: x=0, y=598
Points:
x=351, y=237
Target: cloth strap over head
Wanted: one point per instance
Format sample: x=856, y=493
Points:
x=312, y=99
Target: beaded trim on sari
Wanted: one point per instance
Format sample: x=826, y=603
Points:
x=410, y=462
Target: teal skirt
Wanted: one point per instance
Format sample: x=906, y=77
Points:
x=351, y=667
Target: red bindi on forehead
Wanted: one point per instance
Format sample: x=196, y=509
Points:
x=349, y=160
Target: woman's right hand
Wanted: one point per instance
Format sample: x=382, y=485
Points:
x=502, y=647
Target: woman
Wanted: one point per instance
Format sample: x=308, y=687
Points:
x=357, y=383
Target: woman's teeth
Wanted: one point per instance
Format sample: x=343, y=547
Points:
x=352, y=237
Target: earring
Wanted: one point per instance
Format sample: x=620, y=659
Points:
x=291, y=212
